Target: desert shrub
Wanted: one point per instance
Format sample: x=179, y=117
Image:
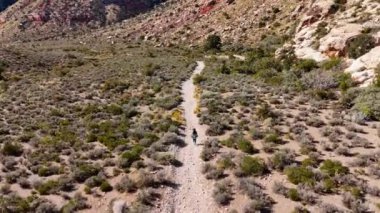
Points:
x=198, y=78
x=279, y=188
x=300, y=209
x=224, y=69
x=356, y=205
x=165, y=158
x=331, y=63
x=330, y=208
x=212, y=172
x=222, y=192
x=45, y=171
x=272, y=138
x=360, y=45
x=84, y=171
x=150, y=69
x=245, y=146
x=282, y=159
x=77, y=203
x=5, y=189
x=256, y=134
x=368, y=103
x=333, y=168
x=105, y=186
x=310, y=161
x=24, y=183
x=126, y=185
x=294, y=195
x=210, y=149
x=45, y=206
x=171, y=138
x=12, y=149
x=225, y=162
x=264, y=111
x=345, y=82
x=14, y=203
x=49, y=187
x=300, y=174
x=213, y=42
x=133, y=155
x=307, y=195
x=169, y=103
x=315, y=122
x=321, y=30
x=94, y=181
x=147, y=196
x=255, y=192
x=306, y=65
x=253, y=166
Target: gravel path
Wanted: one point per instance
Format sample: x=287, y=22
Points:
x=194, y=192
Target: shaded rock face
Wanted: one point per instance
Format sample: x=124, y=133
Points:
x=4, y=4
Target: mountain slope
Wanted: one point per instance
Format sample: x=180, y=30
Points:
x=44, y=18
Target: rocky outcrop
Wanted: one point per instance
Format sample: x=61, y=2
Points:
x=363, y=68
x=327, y=29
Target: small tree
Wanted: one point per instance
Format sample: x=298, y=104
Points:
x=213, y=42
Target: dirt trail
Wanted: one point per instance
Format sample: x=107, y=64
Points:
x=194, y=192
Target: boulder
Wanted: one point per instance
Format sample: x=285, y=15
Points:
x=335, y=42
x=118, y=206
x=363, y=69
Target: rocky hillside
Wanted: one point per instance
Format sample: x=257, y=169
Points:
x=341, y=28
x=318, y=29
x=44, y=18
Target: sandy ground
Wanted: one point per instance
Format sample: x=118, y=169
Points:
x=194, y=192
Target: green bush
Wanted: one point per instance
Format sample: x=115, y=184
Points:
x=345, y=82
x=297, y=175
x=321, y=30
x=131, y=156
x=105, y=187
x=14, y=203
x=253, y=166
x=272, y=138
x=368, y=103
x=213, y=42
x=330, y=64
x=48, y=187
x=306, y=65
x=294, y=195
x=198, y=78
x=224, y=69
x=328, y=185
x=84, y=171
x=360, y=45
x=333, y=168
x=246, y=146
x=12, y=149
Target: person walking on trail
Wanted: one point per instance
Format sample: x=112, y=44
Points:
x=194, y=135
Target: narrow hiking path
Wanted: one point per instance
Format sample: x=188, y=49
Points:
x=194, y=194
